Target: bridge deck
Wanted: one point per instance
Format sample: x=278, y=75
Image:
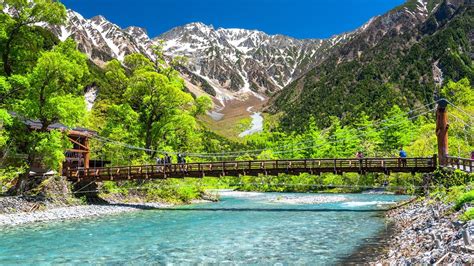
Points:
x=465, y=165
x=266, y=167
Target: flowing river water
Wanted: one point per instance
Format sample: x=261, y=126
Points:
x=248, y=228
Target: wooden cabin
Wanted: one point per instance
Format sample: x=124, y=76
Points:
x=76, y=157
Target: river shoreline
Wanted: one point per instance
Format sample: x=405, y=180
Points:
x=420, y=232
x=372, y=248
x=20, y=211
x=71, y=212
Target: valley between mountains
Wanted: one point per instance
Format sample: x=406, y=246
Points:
x=246, y=72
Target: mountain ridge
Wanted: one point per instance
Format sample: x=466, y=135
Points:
x=406, y=69
x=228, y=63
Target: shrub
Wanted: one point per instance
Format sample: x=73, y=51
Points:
x=468, y=215
x=112, y=188
x=7, y=175
x=467, y=197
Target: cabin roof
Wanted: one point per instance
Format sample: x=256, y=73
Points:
x=36, y=124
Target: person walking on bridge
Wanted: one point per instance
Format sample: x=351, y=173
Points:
x=402, y=161
x=360, y=156
x=472, y=155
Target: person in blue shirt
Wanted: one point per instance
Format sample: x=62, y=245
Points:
x=403, y=157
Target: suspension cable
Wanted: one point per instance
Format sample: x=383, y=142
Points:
x=236, y=153
x=461, y=110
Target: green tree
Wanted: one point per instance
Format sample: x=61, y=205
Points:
x=116, y=82
x=25, y=13
x=55, y=91
x=5, y=120
x=396, y=130
x=459, y=93
x=203, y=104
x=343, y=140
x=54, y=95
x=153, y=94
x=368, y=135
x=121, y=126
x=157, y=99
x=315, y=140
x=135, y=62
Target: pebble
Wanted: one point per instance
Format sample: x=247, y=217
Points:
x=14, y=211
x=421, y=238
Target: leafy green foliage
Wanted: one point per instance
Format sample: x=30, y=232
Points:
x=144, y=104
x=468, y=215
x=396, y=71
x=55, y=87
x=7, y=175
x=5, y=120
x=464, y=198
x=50, y=148
x=17, y=28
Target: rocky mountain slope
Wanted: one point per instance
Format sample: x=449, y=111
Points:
x=343, y=75
x=405, y=66
x=236, y=61
x=232, y=63
x=102, y=40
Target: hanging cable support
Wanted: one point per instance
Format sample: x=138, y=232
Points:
x=461, y=110
x=460, y=120
x=237, y=153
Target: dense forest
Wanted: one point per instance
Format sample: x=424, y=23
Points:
x=398, y=70
x=143, y=109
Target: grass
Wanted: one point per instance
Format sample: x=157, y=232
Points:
x=228, y=128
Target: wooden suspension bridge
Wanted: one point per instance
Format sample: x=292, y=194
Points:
x=275, y=167
x=256, y=167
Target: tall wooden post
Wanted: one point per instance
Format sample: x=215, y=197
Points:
x=87, y=153
x=442, y=131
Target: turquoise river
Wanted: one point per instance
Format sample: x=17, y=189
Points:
x=250, y=229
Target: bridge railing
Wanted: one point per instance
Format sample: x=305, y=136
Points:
x=464, y=164
x=256, y=166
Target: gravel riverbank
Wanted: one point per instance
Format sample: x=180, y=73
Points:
x=18, y=210
x=427, y=232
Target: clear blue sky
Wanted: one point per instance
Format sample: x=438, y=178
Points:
x=296, y=18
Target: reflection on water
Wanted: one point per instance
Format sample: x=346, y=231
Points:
x=235, y=230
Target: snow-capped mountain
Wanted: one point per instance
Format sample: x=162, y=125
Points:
x=102, y=40
x=228, y=63
x=238, y=61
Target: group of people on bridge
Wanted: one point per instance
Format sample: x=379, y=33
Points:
x=167, y=161
x=402, y=155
